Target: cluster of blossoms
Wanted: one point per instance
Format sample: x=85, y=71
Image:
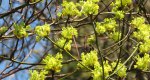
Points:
x=81, y=8
x=42, y=31
x=35, y=75
x=91, y=60
x=142, y=33
x=108, y=26
x=20, y=31
x=143, y=62
x=3, y=30
x=51, y=64
x=66, y=39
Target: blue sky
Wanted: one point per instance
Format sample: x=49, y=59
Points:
x=22, y=75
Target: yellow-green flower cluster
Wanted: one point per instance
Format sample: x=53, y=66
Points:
x=97, y=72
x=70, y=8
x=136, y=22
x=42, y=31
x=109, y=24
x=120, y=3
x=142, y=33
x=3, y=30
x=89, y=7
x=119, y=14
x=63, y=43
x=83, y=7
x=20, y=31
x=143, y=62
x=115, y=36
x=89, y=59
x=69, y=32
x=53, y=63
x=100, y=29
x=35, y=75
x=121, y=69
x=91, y=39
x=144, y=46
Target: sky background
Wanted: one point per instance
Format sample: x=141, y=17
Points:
x=22, y=75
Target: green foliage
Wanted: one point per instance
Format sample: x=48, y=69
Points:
x=35, y=75
x=69, y=32
x=20, y=31
x=142, y=62
x=53, y=63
